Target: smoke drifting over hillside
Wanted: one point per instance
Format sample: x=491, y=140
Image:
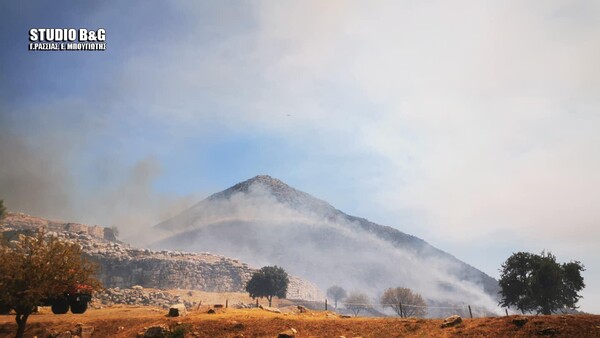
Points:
x=264, y=222
x=40, y=174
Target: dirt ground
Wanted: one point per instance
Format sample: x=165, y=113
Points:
x=128, y=321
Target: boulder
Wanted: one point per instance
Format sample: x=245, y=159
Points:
x=157, y=331
x=452, y=321
x=548, y=331
x=270, y=309
x=291, y=333
x=237, y=325
x=84, y=331
x=519, y=322
x=177, y=310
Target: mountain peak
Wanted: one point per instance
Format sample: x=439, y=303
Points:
x=319, y=241
x=274, y=186
x=265, y=179
x=279, y=189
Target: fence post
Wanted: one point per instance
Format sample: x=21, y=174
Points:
x=470, y=313
x=325, y=304
x=226, y=303
x=257, y=302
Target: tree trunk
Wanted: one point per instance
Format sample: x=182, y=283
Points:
x=21, y=319
x=401, y=310
x=269, y=298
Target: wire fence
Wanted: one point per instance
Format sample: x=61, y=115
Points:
x=400, y=309
x=402, y=304
x=406, y=310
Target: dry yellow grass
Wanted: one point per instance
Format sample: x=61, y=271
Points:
x=127, y=321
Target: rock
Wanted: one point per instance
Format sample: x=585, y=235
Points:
x=211, y=311
x=137, y=287
x=46, y=332
x=157, y=331
x=549, y=331
x=452, y=321
x=177, y=310
x=270, y=309
x=346, y=316
x=66, y=334
x=302, y=309
x=238, y=326
x=519, y=322
x=85, y=331
x=138, y=297
x=218, y=306
x=291, y=333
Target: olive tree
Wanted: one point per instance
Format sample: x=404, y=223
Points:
x=404, y=302
x=336, y=293
x=36, y=268
x=267, y=282
x=537, y=283
x=356, y=302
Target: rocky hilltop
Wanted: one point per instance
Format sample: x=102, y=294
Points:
x=123, y=266
x=265, y=220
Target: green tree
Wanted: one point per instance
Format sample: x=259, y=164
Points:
x=336, y=293
x=267, y=282
x=2, y=209
x=356, y=302
x=573, y=282
x=405, y=302
x=537, y=283
x=34, y=269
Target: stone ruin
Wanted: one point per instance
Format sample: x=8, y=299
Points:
x=123, y=266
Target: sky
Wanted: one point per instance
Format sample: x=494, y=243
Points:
x=470, y=124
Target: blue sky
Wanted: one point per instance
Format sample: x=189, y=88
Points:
x=472, y=125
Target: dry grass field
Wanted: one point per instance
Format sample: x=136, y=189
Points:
x=128, y=321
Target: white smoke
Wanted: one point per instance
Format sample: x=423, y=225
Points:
x=256, y=228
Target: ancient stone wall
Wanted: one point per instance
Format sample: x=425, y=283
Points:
x=161, y=273
x=27, y=222
x=123, y=266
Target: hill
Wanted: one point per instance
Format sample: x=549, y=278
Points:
x=264, y=221
x=124, y=266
